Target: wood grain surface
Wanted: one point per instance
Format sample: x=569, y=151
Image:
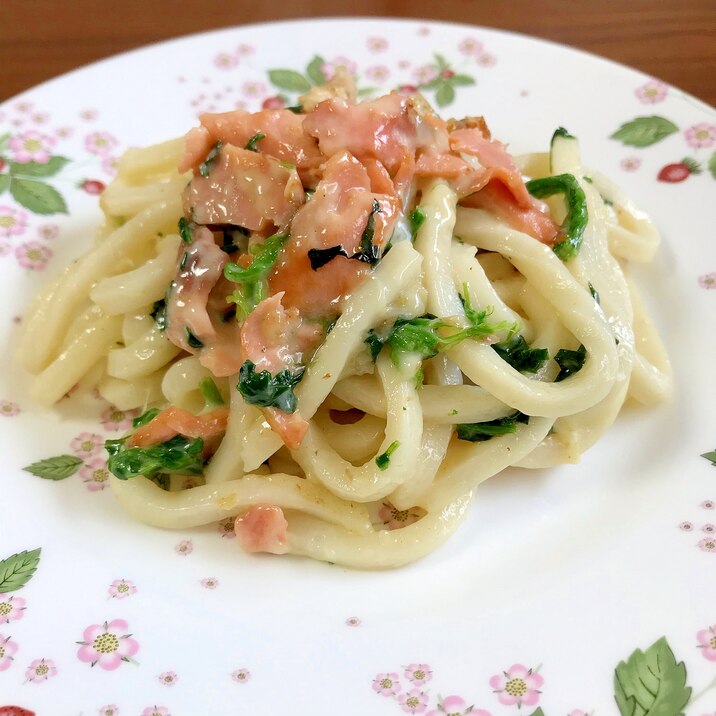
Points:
x=674, y=40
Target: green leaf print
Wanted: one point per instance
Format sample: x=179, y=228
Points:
x=445, y=94
x=38, y=197
x=651, y=683
x=289, y=80
x=538, y=712
x=712, y=165
x=464, y=81
x=16, y=571
x=644, y=131
x=4, y=182
x=315, y=71
x=710, y=456
x=34, y=169
x=55, y=468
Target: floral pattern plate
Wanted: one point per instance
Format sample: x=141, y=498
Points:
x=583, y=589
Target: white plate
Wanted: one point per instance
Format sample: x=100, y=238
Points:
x=565, y=572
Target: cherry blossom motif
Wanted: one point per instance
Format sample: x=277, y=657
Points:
x=209, y=582
x=630, y=164
x=31, y=146
x=48, y=231
x=156, y=711
x=13, y=222
x=40, y=117
x=86, y=445
x=7, y=649
x=652, y=92
x=686, y=526
x=701, y=135
x=708, y=280
x=707, y=642
x=329, y=68
x=40, y=670
x=244, y=50
x=100, y=143
x=518, y=685
x=109, y=165
x=425, y=74
x=184, y=548
x=254, y=89
x=419, y=674
x=8, y=409
x=414, y=701
x=387, y=684
x=470, y=46
x=89, y=115
x=393, y=518
x=225, y=61
x=108, y=645
x=108, y=710
x=121, y=589
x=11, y=608
x=168, y=678
x=95, y=474
x=115, y=419
x=377, y=73
x=708, y=544
x=424, y=30
x=708, y=504
x=64, y=132
x=241, y=676
x=33, y=255
x=353, y=622
x=403, y=64
x=455, y=706
x=377, y=44
x=23, y=106
x=708, y=528
x=486, y=60
x=225, y=527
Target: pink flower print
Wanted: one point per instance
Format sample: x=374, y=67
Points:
x=254, y=89
x=225, y=61
x=108, y=710
x=470, y=46
x=708, y=504
x=353, y=622
x=11, y=608
x=329, y=68
x=100, y=143
x=33, y=255
x=486, y=60
x=86, y=445
x=414, y=701
x=13, y=222
x=424, y=30
x=425, y=74
x=387, y=684
x=184, y=548
x=168, y=678
x=156, y=711
x=630, y=164
x=107, y=645
x=241, y=676
x=418, y=673
x=109, y=165
x=377, y=44
x=40, y=117
x=95, y=475
x=48, y=231
x=393, y=518
x=209, y=582
x=708, y=544
x=686, y=526
x=652, y=92
x=708, y=280
x=377, y=73
x=7, y=649
x=31, y=147
x=707, y=642
x=403, y=64
x=115, y=419
x=708, y=528
x=244, y=50
x=121, y=589
x=578, y=712
x=40, y=670
x=5, y=247
x=519, y=685
x=8, y=409
x=226, y=527
x=89, y=115
x=64, y=132
x=455, y=706
x=23, y=106
x=701, y=135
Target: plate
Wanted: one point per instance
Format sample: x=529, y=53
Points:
x=563, y=587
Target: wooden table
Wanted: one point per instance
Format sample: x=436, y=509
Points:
x=674, y=40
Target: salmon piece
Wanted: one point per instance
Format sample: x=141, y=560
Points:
x=262, y=528
x=200, y=265
x=499, y=200
x=244, y=188
x=478, y=123
x=177, y=421
x=337, y=215
x=290, y=427
x=197, y=144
